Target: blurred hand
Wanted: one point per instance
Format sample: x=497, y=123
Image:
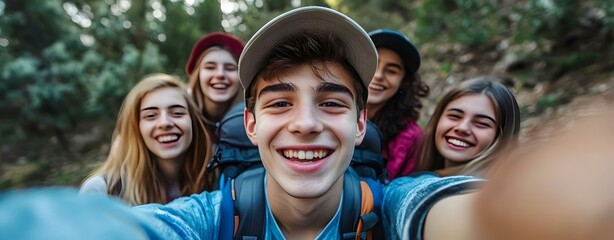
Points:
x=562, y=188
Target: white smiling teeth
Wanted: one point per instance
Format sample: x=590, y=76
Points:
x=457, y=142
x=219, y=86
x=376, y=87
x=167, y=138
x=304, y=155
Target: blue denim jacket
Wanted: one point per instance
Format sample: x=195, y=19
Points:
x=407, y=201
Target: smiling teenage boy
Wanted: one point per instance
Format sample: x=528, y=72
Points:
x=305, y=74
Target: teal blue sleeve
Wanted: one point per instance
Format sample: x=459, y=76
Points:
x=407, y=201
x=60, y=213
x=193, y=217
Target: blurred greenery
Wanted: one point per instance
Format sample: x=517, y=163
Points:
x=67, y=64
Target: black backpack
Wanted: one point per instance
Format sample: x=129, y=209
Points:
x=242, y=186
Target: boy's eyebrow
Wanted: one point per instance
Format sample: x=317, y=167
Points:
x=279, y=87
x=477, y=115
x=334, y=87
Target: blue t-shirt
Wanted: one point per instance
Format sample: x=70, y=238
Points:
x=175, y=220
x=273, y=232
x=62, y=214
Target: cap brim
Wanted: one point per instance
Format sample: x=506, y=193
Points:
x=361, y=52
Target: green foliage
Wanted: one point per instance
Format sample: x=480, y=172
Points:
x=59, y=70
x=547, y=19
x=182, y=31
x=39, y=81
x=248, y=19
x=445, y=68
x=563, y=35
x=567, y=34
x=547, y=101
x=608, y=12
x=470, y=22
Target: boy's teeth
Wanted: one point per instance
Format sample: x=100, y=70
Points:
x=304, y=155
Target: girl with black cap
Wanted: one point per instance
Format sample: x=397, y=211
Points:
x=394, y=99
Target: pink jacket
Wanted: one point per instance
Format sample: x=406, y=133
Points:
x=400, y=151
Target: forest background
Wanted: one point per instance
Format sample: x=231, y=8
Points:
x=65, y=66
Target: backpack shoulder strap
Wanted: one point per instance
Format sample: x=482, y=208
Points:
x=243, y=207
x=360, y=211
x=372, y=197
x=351, y=205
x=227, y=220
x=249, y=204
x=376, y=189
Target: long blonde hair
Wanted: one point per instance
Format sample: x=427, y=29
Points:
x=131, y=170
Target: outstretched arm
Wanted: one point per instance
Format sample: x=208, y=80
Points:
x=59, y=213
x=556, y=186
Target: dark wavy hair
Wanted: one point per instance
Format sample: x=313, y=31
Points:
x=314, y=48
x=404, y=104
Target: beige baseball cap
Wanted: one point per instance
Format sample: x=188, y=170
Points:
x=361, y=52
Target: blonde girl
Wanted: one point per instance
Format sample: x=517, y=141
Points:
x=161, y=146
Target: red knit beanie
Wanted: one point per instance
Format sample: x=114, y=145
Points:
x=224, y=40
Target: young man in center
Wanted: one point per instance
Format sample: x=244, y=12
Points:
x=305, y=75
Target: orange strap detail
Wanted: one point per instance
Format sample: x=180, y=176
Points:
x=236, y=225
x=234, y=198
x=367, y=207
